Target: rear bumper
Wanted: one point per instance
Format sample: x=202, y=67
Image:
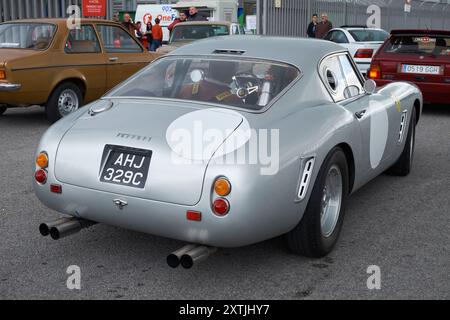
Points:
x=432, y=92
x=10, y=86
x=240, y=227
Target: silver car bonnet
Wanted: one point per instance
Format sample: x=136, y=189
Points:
x=138, y=124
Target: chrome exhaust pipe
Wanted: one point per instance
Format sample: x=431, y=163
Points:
x=70, y=227
x=174, y=259
x=45, y=227
x=196, y=255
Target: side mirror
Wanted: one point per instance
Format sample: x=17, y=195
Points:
x=370, y=86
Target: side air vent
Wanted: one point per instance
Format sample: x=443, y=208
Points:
x=403, y=122
x=305, y=179
x=226, y=51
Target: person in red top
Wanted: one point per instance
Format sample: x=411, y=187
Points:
x=157, y=34
x=181, y=18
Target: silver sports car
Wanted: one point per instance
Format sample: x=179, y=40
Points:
x=228, y=142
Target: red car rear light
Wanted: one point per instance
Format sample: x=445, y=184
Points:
x=2, y=75
x=56, y=188
x=375, y=72
x=41, y=176
x=194, y=215
x=221, y=206
x=364, y=53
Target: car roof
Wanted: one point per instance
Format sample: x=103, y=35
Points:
x=420, y=31
x=301, y=52
x=190, y=23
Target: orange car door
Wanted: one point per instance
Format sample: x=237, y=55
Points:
x=83, y=55
x=125, y=56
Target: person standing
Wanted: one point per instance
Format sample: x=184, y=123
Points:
x=323, y=27
x=181, y=18
x=194, y=15
x=128, y=23
x=138, y=32
x=157, y=36
x=312, y=28
x=148, y=34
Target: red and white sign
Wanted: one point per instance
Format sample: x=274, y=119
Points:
x=94, y=8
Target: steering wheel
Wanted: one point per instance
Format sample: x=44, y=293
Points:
x=246, y=85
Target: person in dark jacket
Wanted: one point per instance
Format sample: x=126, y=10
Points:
x=194, y=15
x=323, y=27
x=128, y=23
x=312, y=28
x=181, y=18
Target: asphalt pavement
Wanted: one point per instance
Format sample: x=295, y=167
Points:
x=401, y=225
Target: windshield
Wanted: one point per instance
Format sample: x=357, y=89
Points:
x=367, y=35
x=195, y=32
x=419, y=45
x=26, y=35
x=248, y=84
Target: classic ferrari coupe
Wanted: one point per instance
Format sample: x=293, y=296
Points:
x=227, y=142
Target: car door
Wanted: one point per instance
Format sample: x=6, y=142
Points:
x=371, y=112
x=82, y=52
x=124, y=55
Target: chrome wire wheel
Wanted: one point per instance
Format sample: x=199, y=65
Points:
x=68, y=102
x=331, y=201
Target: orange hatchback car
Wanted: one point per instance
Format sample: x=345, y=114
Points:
x=43, y=62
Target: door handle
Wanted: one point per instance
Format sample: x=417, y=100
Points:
x=113, y=59
x=360, y=114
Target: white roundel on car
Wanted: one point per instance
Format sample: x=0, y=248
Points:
x=379, y=131
x=205, y=134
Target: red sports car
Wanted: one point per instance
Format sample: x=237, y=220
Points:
x=419, y=56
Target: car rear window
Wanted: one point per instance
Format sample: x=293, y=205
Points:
x=243, y=83
x=419, y=44
x=34, y=36
x=367, y=35
x=196, y=32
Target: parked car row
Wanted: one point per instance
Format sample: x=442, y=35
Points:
x=43, y=62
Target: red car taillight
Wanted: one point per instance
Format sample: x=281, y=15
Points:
x=221, y=206
x=364, y=53
x=375, y=72
x=41, y=176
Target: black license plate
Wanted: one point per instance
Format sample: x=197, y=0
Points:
x=126, y=166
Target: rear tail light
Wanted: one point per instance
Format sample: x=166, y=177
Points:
x=375, y=72
x=194, y=215
x=42, y=160
x=222, y=187
x=56, y=188
x=364, y=53
x=41, y=176
x=221, y=206
x=2, y=75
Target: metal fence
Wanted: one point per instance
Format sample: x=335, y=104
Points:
x=291, y=17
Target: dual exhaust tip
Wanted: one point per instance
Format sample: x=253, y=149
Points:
x=186, y=256
x=64, y=227
x=189, y=255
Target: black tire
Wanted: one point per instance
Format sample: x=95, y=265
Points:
x=2, y=109
x=403, y=165
x=307, y=237
x=52, y=110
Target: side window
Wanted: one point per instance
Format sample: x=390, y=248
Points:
x=83, y=40
x=354, y=85
x=339, y=37
x=329, y=36
x=117, y=40
x=333, y=77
